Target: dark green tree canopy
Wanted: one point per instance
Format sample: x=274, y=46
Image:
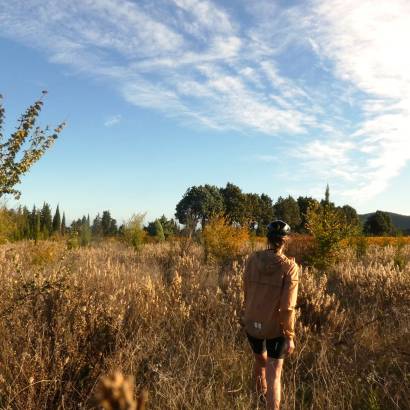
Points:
x=305, y=202
x=261, y=211
x=287, y=209
x=252, y=208
x=23, y=148
x=199, y=204
x=63, y=225
x=352, y=218
x=96, y=227
x=151, y=228
x=108, y=224
x=46, y=220
x=379, y=224
x=235, y=204
x=202, y=202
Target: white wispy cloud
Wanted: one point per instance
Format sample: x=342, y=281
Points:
x=112, y=120
x=192, y=62
x=366, y=43
x=330, y=76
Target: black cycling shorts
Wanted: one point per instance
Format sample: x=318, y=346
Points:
x=276, y=347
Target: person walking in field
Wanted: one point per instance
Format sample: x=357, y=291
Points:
x=270, y=291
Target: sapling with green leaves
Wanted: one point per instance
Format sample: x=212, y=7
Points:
x=24, y=147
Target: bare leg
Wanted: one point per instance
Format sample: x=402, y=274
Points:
x=273, y=375
x=260, y=372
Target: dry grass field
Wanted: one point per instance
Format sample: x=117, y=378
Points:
x=171, y=320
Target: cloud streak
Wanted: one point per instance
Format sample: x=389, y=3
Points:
x=113, y=120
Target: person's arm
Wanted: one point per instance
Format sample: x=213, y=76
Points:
x=288, y=302
x=245, y=285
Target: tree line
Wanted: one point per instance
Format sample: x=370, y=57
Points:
x=197, y=206
x=41, y=223
x=200, y=203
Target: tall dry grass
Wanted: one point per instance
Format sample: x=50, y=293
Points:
x=171, y=320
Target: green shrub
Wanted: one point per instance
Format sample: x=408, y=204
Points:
x=7, y=225
x=156, y=231
x=73, y=242
x=330, y=229
x=133, y=232
x=85, y=235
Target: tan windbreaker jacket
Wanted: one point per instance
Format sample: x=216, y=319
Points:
x=270, y=287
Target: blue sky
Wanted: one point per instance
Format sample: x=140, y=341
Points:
x=279, y=97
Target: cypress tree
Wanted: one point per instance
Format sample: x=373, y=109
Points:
x=327, y=195
x=46, y=220
x=19, y=226
x=37, y=227
x=57, y=221
x=32, y=222
x=113, y=227
x=106, y=223
x=63, y=226
x=326, y=201
x=96, y=228
x=26, y=223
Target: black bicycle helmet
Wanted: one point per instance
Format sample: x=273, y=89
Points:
x=277, y=228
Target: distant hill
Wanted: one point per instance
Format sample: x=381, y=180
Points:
x=401, y=222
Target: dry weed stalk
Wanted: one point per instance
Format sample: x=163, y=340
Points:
x=116, y=392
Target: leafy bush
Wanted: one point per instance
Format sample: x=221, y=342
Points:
x=85, y=235
x=7, y=225
x=133, y=232
x=330, y=228
x=156, y=231
x=72, y=241
x=222, y=241
x=44, y=253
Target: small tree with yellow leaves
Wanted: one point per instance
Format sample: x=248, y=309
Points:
x=223, y=241
x=24, y=147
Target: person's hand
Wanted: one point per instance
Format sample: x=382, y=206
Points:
x=290, y=346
